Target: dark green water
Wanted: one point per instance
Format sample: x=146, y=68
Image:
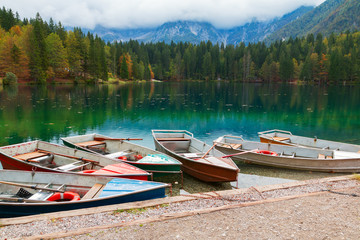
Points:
x=209, y=110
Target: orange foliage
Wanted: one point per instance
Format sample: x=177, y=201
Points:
x=128, y=63
x=152, y=75
x=13, y=59
x=16, y=30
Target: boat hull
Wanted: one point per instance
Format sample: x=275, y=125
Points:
x=157, y=169
x=118, y=191
x=346, y=165
x=18, y=210
x=198, y=169
x=206, y=173
x=11, y=163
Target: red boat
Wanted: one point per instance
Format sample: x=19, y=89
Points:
x=47, y=157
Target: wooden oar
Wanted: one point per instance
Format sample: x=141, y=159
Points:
x=208, y=151
x=20, y=200
x=239, y=153
x=32, y=186
x=116, y=139
x=73, y=157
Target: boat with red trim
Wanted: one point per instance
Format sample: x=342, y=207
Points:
x=121, y=149
x=284, y=156
x=48, y=157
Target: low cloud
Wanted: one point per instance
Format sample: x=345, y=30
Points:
x=146, y=13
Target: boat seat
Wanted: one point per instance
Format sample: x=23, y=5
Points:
x=73, y=166
x=225, y=145
x=30, y=156
x=235, y=146
x=281, y=139
x=90, y=144
x=94, y=191
x=173, y=139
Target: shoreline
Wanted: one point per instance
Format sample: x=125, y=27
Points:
x=78, y=222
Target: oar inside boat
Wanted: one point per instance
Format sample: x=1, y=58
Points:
x=116, y=139
x=208, y=151
x=32, y=186
x=235, y=154
x=73, y=157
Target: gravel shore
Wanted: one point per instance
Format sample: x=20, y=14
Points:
x=312, y=209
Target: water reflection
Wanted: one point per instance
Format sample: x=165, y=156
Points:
x=208, y=109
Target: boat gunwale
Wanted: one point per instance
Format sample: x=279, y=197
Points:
x=47, y=169
x=189, y=159
x=49, y=203
x=261, y=159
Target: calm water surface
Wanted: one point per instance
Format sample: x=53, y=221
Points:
x=208, y=110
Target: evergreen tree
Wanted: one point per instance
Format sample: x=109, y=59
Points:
x=38, y=51
x=124, y=71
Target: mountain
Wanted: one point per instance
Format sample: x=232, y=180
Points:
x=195, y=32
x=331, y=16
x=258, y=31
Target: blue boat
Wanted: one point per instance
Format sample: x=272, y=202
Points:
x=24, y=193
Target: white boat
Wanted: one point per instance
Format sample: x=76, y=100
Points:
x=284, y=156
x=282, y=137
x=120, y=149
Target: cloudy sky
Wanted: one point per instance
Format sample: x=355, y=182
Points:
x=151, y=13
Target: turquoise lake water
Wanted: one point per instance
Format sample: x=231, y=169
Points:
x=207, y=109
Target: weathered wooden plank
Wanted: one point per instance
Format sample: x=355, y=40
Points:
x=31, y=155
x=93, y=191
x=90, y=143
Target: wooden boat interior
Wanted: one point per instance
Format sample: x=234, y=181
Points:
x=30, y=188
x=183, y=143
x=286, y=137
x=237, y=143
x=53, y=156
x=117, y=149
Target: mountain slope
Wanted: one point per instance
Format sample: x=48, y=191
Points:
x=195, y=32
x=331, y=16
x=258, y=31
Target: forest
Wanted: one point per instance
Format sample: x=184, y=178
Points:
x=43, y=52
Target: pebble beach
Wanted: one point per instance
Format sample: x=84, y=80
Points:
x=88, y=224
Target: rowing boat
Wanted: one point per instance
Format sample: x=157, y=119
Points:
x=284, y=156
x=25, y=193
x=198, y=159
x=142, y=157
x=47, y=157
x=282, y=137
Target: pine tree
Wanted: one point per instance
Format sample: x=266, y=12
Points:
x=124, y=71
x=38, y=52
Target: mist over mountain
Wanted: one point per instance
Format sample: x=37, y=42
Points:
x=195, y=32
x=330, y=16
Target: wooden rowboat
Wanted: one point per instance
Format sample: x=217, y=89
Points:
x=48, y=157
x=199, y=159
x=25, y=193
x=283, y=156
x=282, y=137
x=147, y=159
